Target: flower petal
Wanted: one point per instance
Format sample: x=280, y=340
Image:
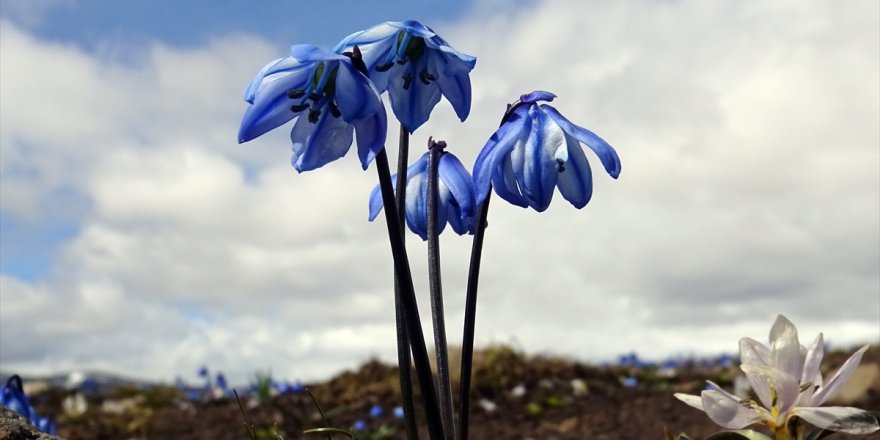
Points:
x=371, y=133
x=786, y=349
x=457, y=90
x=812, y=362
x=753, y=352
x=537, y=95
x=412, y=104
x=606, y=153
x=271, y=106
x=576, y=180
x=839, y=377
x=690, y=399
x=840, y=419
x=786, y=387
x=499, y=145
x=535, y=165
x=328, y=140
x=376, y=201
x=417, y=205
x=461, y=186
x=728, y=412
x=506, y=186
x=356, y=96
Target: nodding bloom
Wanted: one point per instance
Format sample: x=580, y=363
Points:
x=535, y=150
x=416, y=66
x=789, y=384
x=455, y=201
x=328, y=94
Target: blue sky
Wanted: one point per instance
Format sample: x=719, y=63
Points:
x=137, y=236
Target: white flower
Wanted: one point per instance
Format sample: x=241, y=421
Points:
x=789, y=385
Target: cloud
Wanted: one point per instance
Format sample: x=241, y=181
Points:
x=750, y=187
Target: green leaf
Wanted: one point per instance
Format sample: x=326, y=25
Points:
x=741, y=434
x=329, y=431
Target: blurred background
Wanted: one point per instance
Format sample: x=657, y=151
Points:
x=138, y=238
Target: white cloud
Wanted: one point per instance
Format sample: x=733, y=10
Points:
x=750, y=187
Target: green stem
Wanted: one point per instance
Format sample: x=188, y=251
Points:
x=470, y=316
x=444, y=384
x=408, y=298
x=404, y=359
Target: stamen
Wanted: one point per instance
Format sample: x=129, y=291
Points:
x=313, y=115
x=402, y=61
x=560, y=165
x=296, y=93
x=424, y=79
x=314, y=96
x=296, y=108
x=407, y=81
x=384, y=67
x=334, y=110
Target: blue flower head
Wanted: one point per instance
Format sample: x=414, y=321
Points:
x=376, y=411
x=221, y=381
x=416, y=66
x=12, y=396
x=535, y=150
x=455, y=203
x=329, y=96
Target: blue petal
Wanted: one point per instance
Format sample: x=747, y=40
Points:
x=606, y=153
x=454, y=176
x=535, y=165
x=376, y=202
x=310, y=53
x=268, y=69
x=413, y=27
x=356, y=96
x=504, y=182
x=457, y=62
x=417, y=205
x=576, y=181
x=413, y=106
x=371, y=132
x=457, y=90
x=371, y=42
x=537, y=95
x=271, y=106
x=497, y=147
x=327, y=140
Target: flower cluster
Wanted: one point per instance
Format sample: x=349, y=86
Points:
x=790, y=387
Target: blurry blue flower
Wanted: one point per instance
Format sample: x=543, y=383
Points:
x=376, y=411
x=329, y=97
x=630, y=382
x=628, y=360
x=221, y=381
x=455, y=202
x=536, y=149
x=359, y=425
x=203, y=372
x=398, y=412
x=416, y=66
x=13, y=398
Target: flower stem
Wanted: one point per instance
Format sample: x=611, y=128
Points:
x=404, y=359
x=470, y=316
x=444, y=384
x=408, y=298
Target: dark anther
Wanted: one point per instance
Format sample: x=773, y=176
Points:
x=314, y=96
x=402, y=61
x=436, y=144
x=296, y=93
x=357, y=59
x=313, y=115
x=334, y=110
x=296, y=108
x=384, y=67
x=426, y=77
x=560, y=165
x=407, y=80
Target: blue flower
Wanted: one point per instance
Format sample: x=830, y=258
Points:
x=328, y=95
x=376, y=411
x=416, y=66
x=359, y=425
x=221, y=382
x=398, y=412
x=455, y=202
x=536, y=149
x=12, y=396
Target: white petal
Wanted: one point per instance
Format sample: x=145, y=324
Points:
x=839, y=418
x=839, y=378
x=786, y=347
x=787, y=388
x=727, y=412
x=753, y=352
x=690, y=399
x=812, y=361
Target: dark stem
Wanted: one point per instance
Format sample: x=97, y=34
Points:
x=408, y=299
x=403, y=354
x=470, y=317
x=444, y=384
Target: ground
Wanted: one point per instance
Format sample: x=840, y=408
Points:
x=534, y=397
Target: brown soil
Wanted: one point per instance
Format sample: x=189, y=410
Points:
x=549, y=409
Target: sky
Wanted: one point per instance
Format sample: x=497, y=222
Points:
x=137, y=237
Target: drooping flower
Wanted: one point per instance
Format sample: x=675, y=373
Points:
x=455, y=202
x=12, y=396
x=416, y=66
x=789, y=385
x=328, y=94
x=535, y=150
